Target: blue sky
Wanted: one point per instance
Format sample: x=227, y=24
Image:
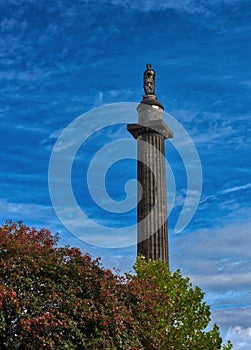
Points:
x=60, y=59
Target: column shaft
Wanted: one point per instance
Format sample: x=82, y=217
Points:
x=152, y=211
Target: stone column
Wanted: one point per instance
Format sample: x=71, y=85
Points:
x=150, y=133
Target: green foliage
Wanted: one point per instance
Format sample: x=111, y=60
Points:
x=59, y=298
x=183, y=317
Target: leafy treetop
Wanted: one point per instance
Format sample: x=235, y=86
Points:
x=59, y=298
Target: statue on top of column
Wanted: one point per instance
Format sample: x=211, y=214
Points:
x=149, y=80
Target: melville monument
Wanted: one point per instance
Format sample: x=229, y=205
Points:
x=150, y=133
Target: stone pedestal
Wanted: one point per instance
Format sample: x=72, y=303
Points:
x=150, y=133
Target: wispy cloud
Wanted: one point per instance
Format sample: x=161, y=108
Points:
x=240, y=337
x=190, y=6
x=62, y=59
x=29, y=213
x=225, y=281
x=236, y=188
x=218, y=261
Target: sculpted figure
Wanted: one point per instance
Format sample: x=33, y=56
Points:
x=149, y=80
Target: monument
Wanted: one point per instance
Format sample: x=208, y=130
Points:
x=150, y=133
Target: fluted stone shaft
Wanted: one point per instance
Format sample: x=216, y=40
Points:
x=150, y=133
x=152, y=212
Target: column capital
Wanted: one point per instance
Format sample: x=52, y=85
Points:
x=151, y=127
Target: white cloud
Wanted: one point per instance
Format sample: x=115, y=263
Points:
x=230, y=317
x=189, y=6
x=99, y=99
x=30, y=214
x=224, y=281
x=122, y=93
x=30, y=128
x=240, y=337
x=215, y=125
x=236, y=188
x=218, y=261
x=213, y=246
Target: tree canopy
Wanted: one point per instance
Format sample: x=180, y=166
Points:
x=59, y=298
